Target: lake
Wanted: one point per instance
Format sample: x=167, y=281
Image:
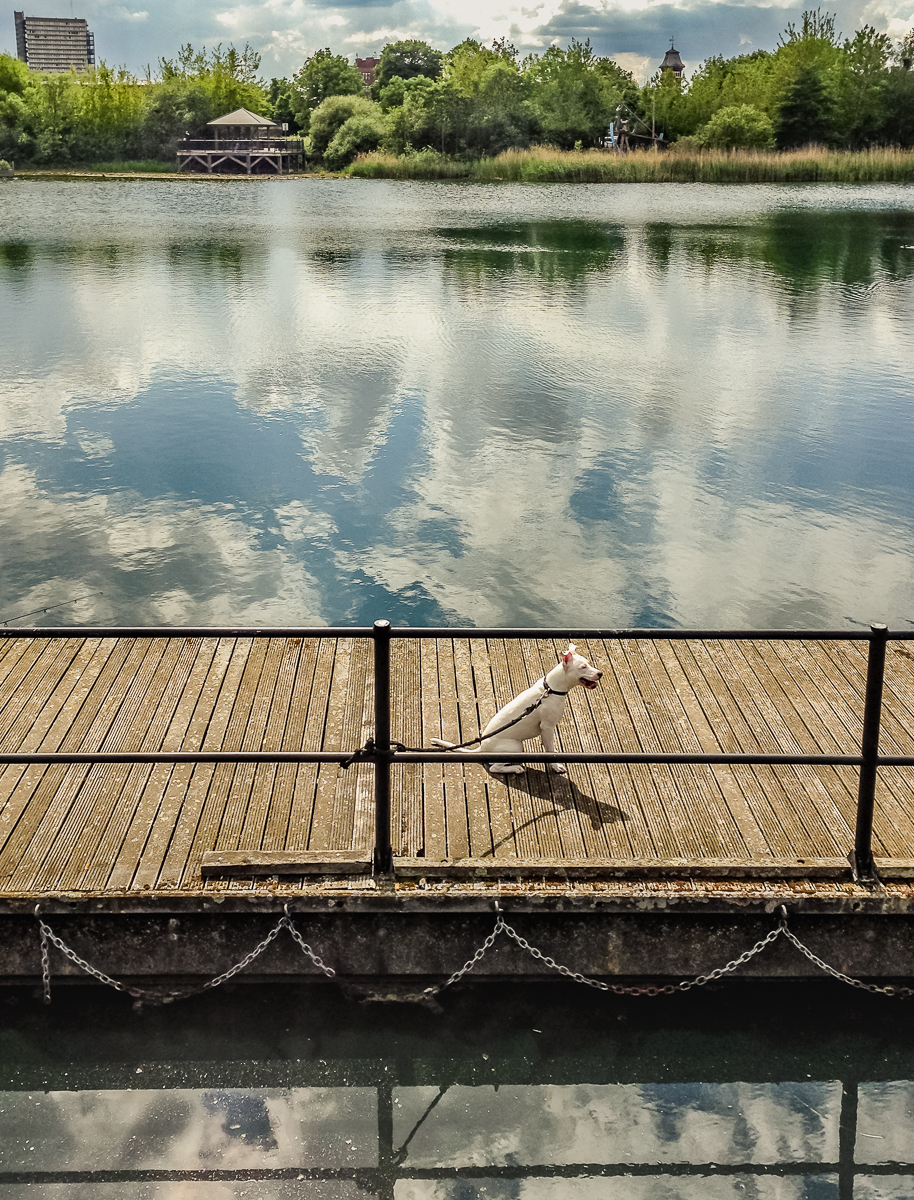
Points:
x=327, y=401
x=760, y=1091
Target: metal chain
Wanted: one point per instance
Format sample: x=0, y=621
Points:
x=669, y=989
x=47, y=936
x=160, y=996
x=248, y=958
x=306, y=949
x=471, y=962
x=45, y=963
x=887, y=990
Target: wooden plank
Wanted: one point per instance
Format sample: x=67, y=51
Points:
x=353, y=730
x=27, y=811
x=433, y=797
x=254, y=701
x=185, y=730
x=211, y=786
x=407, y=835
x=643, y=868
x=506, y=684
x=497, y=798
x=28, y=668
x=321, y=837
x=799, y=816
x=590, y=726
x=208, y=720
x=455, y=795
x=39, y=704
x=265, y=777
x=469, y=726
x=662, y=838
x=314, y=705
x=276, y=834
x=146, y=727
x=249, y=863
x=705, y=825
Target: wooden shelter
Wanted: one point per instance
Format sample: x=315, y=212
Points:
x=243, y=143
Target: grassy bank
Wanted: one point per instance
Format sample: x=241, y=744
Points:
x=547, y=165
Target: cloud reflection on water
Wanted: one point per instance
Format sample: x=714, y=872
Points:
x=292, y=406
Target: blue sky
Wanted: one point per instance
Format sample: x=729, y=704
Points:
x=636, y=32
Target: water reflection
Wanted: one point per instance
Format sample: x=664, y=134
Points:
x=583, y=1140
x=455, y=404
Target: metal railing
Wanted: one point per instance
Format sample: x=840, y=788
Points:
x=382, y=753
x=230, y=145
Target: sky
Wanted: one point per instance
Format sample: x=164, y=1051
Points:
x=634, y=32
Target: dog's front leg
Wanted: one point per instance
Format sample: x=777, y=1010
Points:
x=547, y=737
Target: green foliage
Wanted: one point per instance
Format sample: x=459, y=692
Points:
x=407, y=60
x=281, y=96
x=574, y=93
x=475, y=103
x=358, y=135
x=739, y=125
x=14, y=75
x=333, y=113
x=324, y=74
x=806, y=112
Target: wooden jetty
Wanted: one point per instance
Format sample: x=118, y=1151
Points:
x=629, y=868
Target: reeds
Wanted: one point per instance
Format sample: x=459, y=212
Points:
x=419, y=164
x=545, y=164
x=146, y=166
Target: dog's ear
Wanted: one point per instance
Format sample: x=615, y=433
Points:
x=569, y=653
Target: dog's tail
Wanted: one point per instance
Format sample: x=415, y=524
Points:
x=448, y=745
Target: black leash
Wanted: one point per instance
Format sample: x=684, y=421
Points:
x=366, y=752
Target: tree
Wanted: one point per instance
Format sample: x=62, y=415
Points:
x=574, y=93
x=406, y=60
x=357, y=135
x=323, y=74
x=281, y=95
x=332, y=114
x=858, y=82
x=740, y=125
x=806, y=112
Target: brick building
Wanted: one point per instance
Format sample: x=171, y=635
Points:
x=366, y=68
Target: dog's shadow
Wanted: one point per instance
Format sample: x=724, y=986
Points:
x=550, y=792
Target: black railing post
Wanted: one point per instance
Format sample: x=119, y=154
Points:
x=861, y=856
x=382, y=859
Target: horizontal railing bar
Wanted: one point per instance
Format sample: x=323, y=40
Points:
x=405, y=631
x=816, y=760
x=443, y=756
x=786, y=635
x=177, y=631
x=189, y=756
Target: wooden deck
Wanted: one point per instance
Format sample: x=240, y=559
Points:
x=108, y=830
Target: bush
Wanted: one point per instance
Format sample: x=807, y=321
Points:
x=358, y=135
x=740, y=125
x=332, y=114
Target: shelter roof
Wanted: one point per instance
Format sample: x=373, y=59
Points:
x=241, y=117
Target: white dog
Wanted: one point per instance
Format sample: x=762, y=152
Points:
x=536, y=711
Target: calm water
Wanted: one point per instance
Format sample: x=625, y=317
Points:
x=328, y=401
x=753, y=1092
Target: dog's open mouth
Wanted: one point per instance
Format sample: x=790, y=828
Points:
x=590, y=683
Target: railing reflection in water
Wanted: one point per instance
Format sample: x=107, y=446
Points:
x=820, y=1139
